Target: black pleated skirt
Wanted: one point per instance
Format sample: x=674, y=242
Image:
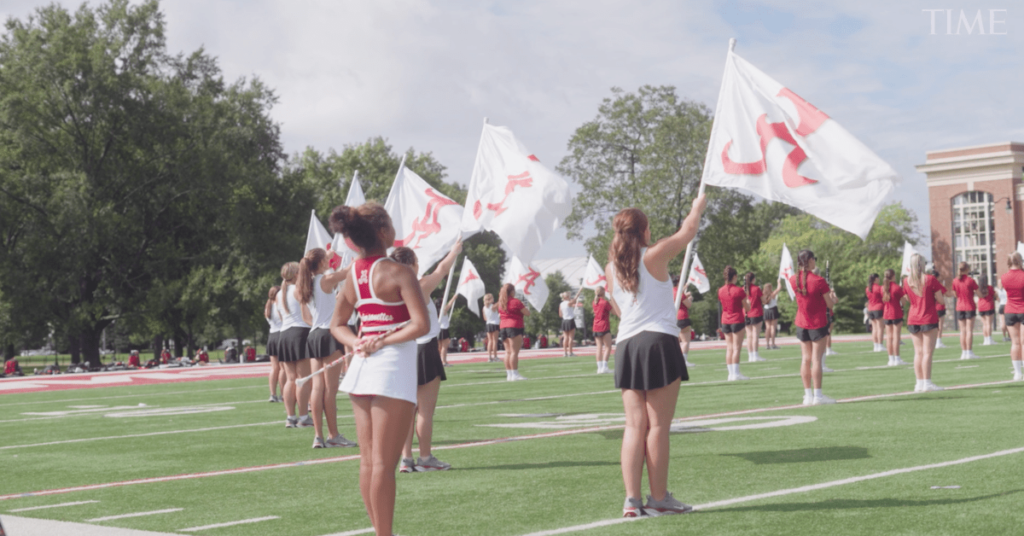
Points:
x=428, y=363
x=320, y=343
x=649, y=360
x=272, y=339
x=291, y=344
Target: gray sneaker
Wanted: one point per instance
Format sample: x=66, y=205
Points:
x=430, y=463
x=632, y=508
x=305, y=421
x=291, y=422
x=272, y=399
x=340, y=441
x=407, y=466
x=668, y=505
x=318, y=443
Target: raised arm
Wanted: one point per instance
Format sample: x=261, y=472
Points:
x=658, y=256
x=429, y=282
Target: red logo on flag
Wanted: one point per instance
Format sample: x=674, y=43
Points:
x=530, y=278
x=428, y=224
x=469, y=277
x=523, y=179
x=810, y=119
x=596, y=281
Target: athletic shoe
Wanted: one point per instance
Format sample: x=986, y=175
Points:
x=987, y=342
x=278, y=399
x=929, y=386
x=340, y=441
x=632, y=508
x=291, y=422
x=318, y=443
x=896, y=361
x=739, y=377
x=829, y=351
x=667, y=506
x=823, y=399
x=939, y=344
x=272, y=399
x=688, y=364
x=754, y=358
x=826, y=369
x=517, y=377
x=808, y=400
x=305, y=421
x=1017, y=376
x=430, y=463
x=972, y=355
x=407, y=466
x=608, y=371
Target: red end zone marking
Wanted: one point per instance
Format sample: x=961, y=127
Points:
x=63, y=382
x=240, y=470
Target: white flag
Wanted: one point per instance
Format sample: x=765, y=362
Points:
x=317, y=236
x=1020, y=248
x=908, y=251
x=528, y=282
x=471, y=286
x=342, y=246
x=594, y=276
x=698, y=276
x=786, y=270
x=513, y=194
x=767, y=140
x=425, y=220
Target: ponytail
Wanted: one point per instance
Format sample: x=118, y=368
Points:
x=729, y=273
x=630, y=226
x=1014, y=260
x=803, y=260
x=964, y=269
x=507, y=292
x=983, y=285
x=872, y=279
x=308, y=266
x=748, y=279
x=362, y=225
x=271, y=296
x=917, y=273
x=289, y=272
x=890, y=274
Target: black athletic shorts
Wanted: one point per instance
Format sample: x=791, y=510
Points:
x=875, y=315
x=491, y=328
x=755, y=321
x=511, y=333
x=1002, y=309
x=811, y=335
x=941, y=313
x=568, y=325
x=772, y=313
x=986, y=313
x=443, y=335
x=1012, y=319
x=964, y=315
x=684, y=323
x=599, y=334
x=915, y=328
x=733, y=328
x=896, y=322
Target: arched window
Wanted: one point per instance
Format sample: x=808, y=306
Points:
x=974, y=232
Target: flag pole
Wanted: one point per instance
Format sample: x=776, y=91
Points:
x=700, y=191
x=448, y=284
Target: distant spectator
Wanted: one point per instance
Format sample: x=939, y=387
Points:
x=463, y=344
x=250, y=354
x=542, y=342
x=203, y=357
x=165, y=356
x=527, y=342
x=12, y=368
x=133, y=359
x=230, y=354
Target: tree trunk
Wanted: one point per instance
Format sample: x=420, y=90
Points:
x=158, y=345
x=91, y=346
x=178, y=344
x=75, y=348
x=8, y=351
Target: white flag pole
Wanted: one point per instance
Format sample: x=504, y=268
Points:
x=448, y=284
x=700, y=191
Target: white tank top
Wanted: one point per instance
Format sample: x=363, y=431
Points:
x=322, y=306
x=435, y=328
x=492, y=315
x=275, y=318
x=293, y=316
x=446, y=320
x=567, y=310
x=652, y=308
x=774, y=302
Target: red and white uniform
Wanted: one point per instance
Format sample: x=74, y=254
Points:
x=684, y=312
x=923, y=309
x=391, y=371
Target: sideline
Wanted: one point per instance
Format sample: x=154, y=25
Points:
x=497, y=441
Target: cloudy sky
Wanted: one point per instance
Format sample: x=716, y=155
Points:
x=424, y=74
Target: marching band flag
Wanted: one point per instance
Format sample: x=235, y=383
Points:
x=343, y=247
x=317, y=236
x=698, y=276
x=767, y=140
x=471, y=286
x=425, y=220
x=513, y=194
x=594, y=276
x=908, y=251
x=1020, y=248
x=786, y=270
x=528, y=282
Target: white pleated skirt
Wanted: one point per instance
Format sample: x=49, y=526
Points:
x=390, y=372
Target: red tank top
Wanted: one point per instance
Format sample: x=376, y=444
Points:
x=375, y=314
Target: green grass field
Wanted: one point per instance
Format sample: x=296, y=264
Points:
x=546, y=481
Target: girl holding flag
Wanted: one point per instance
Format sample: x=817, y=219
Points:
x=684, y=323
x=429, y=365
x=512, y=312
x=923, y=290
x=875, y=313
x=813, y=299
x=734, y=304
x=381, y=380
x=444, y=338
x=291, y=347
x=603, y=329
x=493, y=326
x=892, y=313
x=567, y=313
x=965, y=288
x=1013, y=282
x=771, y=315
x=649, y=365
x=754, y=316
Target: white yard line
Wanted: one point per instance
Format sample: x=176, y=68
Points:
x=789, y=491
x=114, y=397
x=352, y=532
x=30, y=526
x=229, y=524
x=135, y=514
x=150, y=434
x=61, y=505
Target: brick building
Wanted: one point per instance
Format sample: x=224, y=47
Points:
x=975, y=196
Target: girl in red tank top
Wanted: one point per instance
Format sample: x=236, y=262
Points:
x=734, y=304
x=754, y=316
x=965, y=288
x=986, y=309
x=1013, y=283
x=874, y=293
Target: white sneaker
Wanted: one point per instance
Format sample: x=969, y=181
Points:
x=929, y=386
x=987, y=342
x=739, y=377
x=808, y=400
x=972, y=355
x=1017, y=376
x=829, y=351
x=939, y=344
x=688, y=364
x=918, y=387
x=754, y=358
x=896, y=361
x=608, y=371
x=731, y=378
x=826, y=369
x=822, y=400
x=891, y=363
x=517, y=377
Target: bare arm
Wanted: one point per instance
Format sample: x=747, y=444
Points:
x=430, y=282
x=688, y=300
x=343, y=307
x=658, y=256
x=330, y=281
x=615, y=307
